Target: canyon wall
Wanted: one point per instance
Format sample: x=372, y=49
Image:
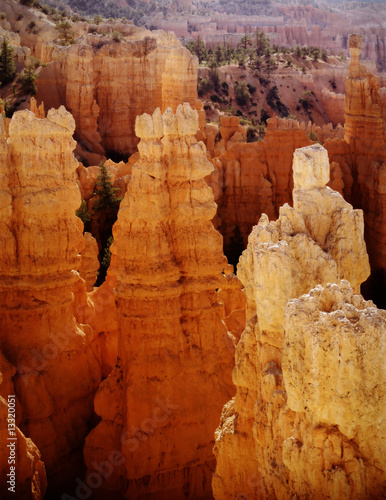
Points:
x=305, y=420
x=362, y=159
x=255, y=178
x=105, y=84
x=56, y=360
x=162, y=401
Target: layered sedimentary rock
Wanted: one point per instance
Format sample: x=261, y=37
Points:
x=22, y=473
x=362, y=157
x=106, y=84
x=256, y=178
x=89, y=265
x=162, y=401
x=294, y=428
x=335, y=381
x=57, y=369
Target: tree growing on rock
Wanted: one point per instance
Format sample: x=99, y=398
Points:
x=105, y=200
x=66, y=35
x=7, y=63
x=105, y=205
x=27, y=80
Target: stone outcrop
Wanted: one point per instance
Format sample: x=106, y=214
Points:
x=106, y=84
x=255, y=178
x=161, y=403
x=89, y=264
x=274, y=444
x=40, y=241
x=333, y=370
x=362, y=160
x=22, y=473
x=32, y=26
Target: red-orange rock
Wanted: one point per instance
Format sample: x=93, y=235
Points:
x=106, y=84
x=174, y=351
x=22, y=473
x=256, y=178
x=58, y=366
x=362, y=159
x=89, y=263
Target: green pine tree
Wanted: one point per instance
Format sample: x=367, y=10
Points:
x=66, y=35
x=105, y=204
x=27, y=79
x=7, y=63
x=107, y=254
x=105, y=200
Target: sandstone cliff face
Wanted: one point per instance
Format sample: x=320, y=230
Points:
x=22, y=455
x=174, y=351
x=89, y=261
x=274, y=441
x=362, y=157
x=39, y=246
x=256, y=178
x=339, y=430
x=106, y=84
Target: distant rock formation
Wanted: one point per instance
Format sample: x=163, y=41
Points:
x=255, y=178
x=362, y=160
x=106, y=84
x=57, y=365
x=294, y=428
x=162, y=401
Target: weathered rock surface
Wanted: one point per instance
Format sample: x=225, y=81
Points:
x=89, y=264
x=362, y=159
x=175, y=353
x=39, y=246
x=22, y=473
x=106, y=84
x=265, y=445
x=335, y=381
x=255, y=178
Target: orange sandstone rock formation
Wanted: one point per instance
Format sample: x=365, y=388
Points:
x=271, y=444
x=362, y=159
x=106, y=84
x=22, y=473
x=256, y=178
x=58, y=367
x=161, y=403
x=89, y=261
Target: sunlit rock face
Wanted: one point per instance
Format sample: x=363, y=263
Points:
x=161, y=404
x=106, y=84
x=298, y=424
x=57, y=367
x=362, y=159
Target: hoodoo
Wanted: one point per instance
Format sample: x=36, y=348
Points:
x=286, y=413
x=39, y=245
x=175, y=356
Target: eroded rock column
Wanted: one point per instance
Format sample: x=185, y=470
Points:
x=162, y=402
x=58, y=369
x=263, y=448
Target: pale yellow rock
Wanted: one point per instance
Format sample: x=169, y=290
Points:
x=332, y=327
x=331, y=221
x=311, y=168
x=325, y=443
